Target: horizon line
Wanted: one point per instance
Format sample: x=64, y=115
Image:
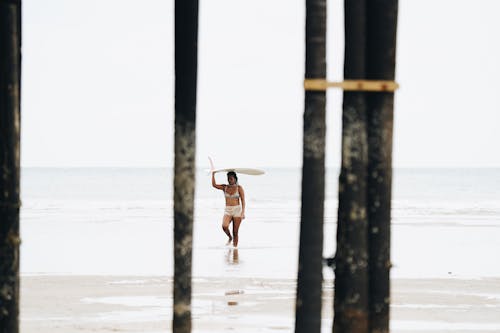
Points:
x=260, y=167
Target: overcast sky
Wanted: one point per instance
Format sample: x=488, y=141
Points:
x=98, y=83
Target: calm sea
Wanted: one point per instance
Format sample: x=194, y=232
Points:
x=446, y=223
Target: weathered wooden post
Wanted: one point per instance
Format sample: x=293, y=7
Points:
x=380, y=65
x=10, y=92
x=310, y=276
x=186, y=63
x=351, y=258
x=362, y=285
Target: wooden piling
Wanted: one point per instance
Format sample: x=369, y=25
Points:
x=380, y=65
x=186, y=58
x=351, y=259
x=10, y=92
x=310, y=277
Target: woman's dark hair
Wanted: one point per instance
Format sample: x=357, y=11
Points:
x=232, y=173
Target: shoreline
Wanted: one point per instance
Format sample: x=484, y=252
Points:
x=120, y=303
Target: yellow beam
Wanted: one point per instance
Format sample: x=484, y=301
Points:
x=351, y=85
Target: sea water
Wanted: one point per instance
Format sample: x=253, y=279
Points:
x=119, y=221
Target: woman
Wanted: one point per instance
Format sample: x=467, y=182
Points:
x=234, y=212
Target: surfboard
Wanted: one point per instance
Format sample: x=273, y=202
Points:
x=245, y=171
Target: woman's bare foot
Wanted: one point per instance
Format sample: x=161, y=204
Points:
x=229, y=240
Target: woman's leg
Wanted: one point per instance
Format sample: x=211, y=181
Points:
x=225, y=226
x=236, y=226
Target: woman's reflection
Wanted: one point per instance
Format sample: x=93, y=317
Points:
x=232, y=256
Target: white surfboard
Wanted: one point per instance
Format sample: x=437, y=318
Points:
x=245, y=171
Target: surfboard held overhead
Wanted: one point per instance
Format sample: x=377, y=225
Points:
x=244, y=171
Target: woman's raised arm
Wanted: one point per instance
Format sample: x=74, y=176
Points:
x=217, y=186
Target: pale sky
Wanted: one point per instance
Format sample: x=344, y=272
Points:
x=98, y=83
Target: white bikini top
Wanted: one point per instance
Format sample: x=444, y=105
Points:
x=234, y=195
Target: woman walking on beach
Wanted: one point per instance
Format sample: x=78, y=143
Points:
x=234, y=212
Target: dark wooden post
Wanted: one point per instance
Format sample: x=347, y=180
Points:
x=10, y=92
x=380, y=65
x=351, y=259
x=310, y=276
x=186, y=63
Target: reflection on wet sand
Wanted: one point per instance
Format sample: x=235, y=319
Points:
x=232, y=296
x=232, y=256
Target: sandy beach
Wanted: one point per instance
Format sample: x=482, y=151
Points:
x=144, y=304
x=98, y=256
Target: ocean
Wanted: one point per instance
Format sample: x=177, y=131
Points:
x=119, y=221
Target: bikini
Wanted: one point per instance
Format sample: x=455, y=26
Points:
x=232, y=210
x=234, y=195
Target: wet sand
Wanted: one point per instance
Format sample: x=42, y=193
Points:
x=107, y=304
